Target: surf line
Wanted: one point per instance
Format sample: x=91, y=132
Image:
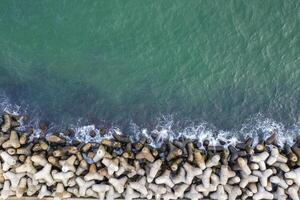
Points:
x=50, y=167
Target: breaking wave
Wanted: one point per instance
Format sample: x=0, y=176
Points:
x=166, y=129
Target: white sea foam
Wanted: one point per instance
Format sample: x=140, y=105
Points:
x=259, y=129
x=7, y=106
x=166, y=128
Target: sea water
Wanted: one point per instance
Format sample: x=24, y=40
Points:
x=197, y=69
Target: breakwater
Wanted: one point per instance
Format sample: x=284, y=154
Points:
x=52, y=167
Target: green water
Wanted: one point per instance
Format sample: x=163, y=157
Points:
x=217, y=61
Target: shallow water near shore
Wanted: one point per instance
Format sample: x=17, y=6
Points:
x=173, y=67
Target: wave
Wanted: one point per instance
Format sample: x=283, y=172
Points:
x=166, y=128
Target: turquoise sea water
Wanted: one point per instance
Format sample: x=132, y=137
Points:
x=221, y=62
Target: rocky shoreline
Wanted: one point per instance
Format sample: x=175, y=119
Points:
x=52, y=168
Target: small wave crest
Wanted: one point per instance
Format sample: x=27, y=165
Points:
x=166, y=129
